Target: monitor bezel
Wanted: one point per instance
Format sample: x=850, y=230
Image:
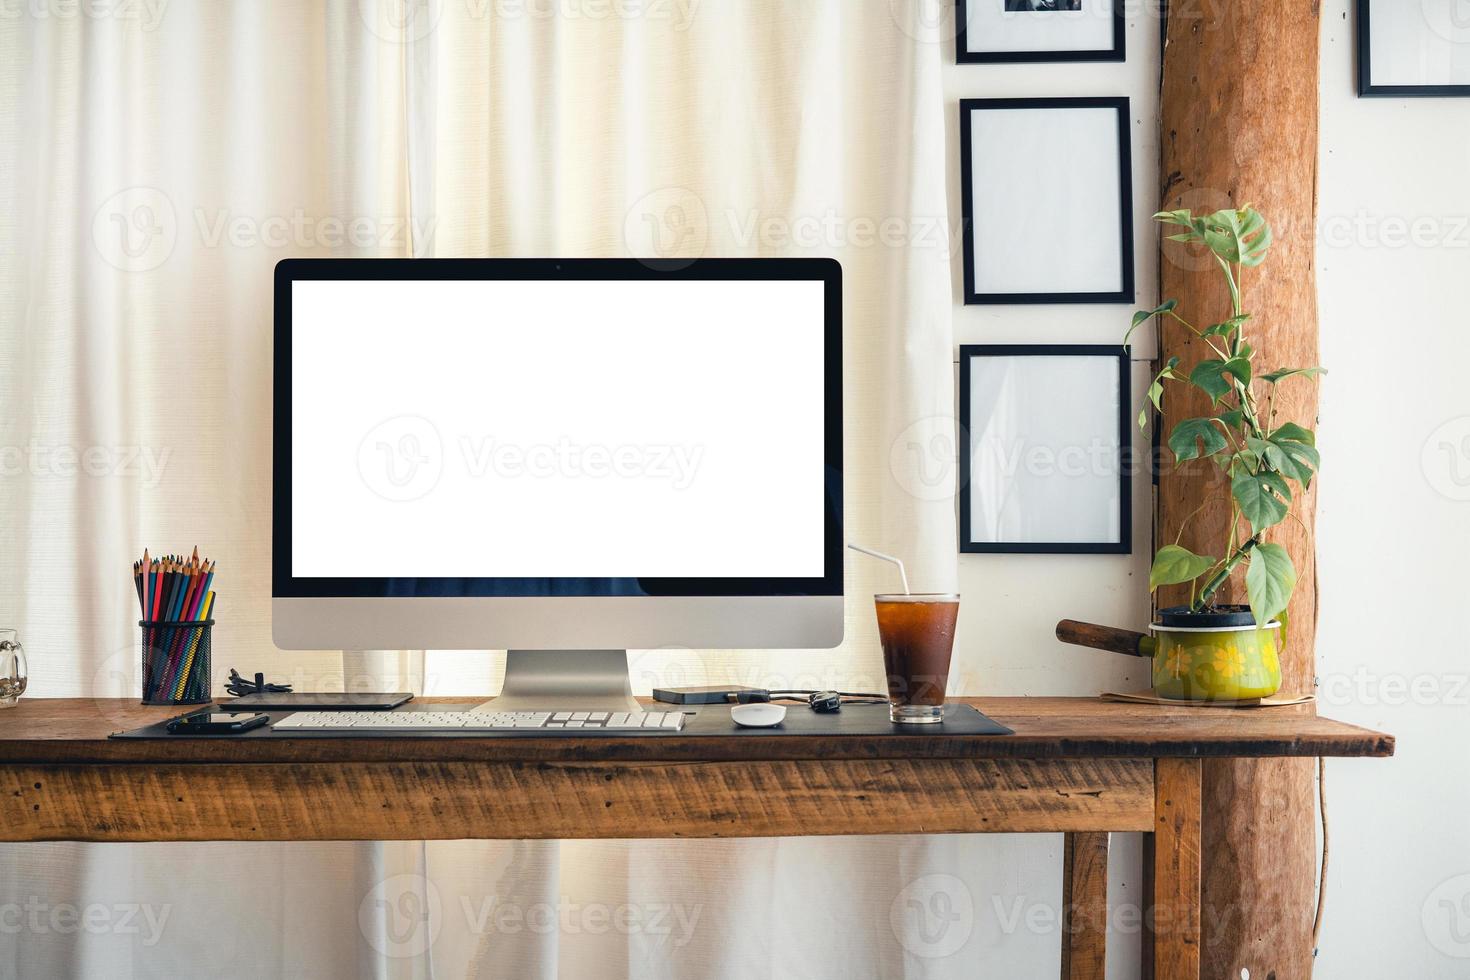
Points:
x=827, y=271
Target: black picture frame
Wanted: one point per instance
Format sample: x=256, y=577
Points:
x=963, y=56
x=1366, y=88
x=1125, y=293
x=1124, y=544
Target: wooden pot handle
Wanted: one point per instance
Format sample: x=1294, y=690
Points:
x=1104, y=638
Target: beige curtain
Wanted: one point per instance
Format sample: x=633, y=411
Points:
x=159, y=158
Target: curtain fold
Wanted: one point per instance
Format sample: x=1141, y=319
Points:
x=155, y=173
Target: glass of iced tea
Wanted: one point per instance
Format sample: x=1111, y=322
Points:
x=917, y=633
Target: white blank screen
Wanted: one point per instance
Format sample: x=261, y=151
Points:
x=557, y=429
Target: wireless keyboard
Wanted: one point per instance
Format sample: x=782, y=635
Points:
x=481, y=721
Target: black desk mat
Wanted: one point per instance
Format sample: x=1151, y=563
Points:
x=703, y=720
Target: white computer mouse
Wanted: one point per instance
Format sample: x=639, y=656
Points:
x=761, y=714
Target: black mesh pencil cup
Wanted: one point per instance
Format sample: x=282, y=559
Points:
x=176, y=661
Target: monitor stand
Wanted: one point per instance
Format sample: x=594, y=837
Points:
x=560, y=680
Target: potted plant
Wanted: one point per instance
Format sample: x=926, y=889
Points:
x=1205, y=650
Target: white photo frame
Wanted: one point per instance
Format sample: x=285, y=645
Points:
x=1043, y=464
x=1413, y=49
x=1046, y=195
x=1020, y=31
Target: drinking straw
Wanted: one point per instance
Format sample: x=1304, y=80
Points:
x=878, y=554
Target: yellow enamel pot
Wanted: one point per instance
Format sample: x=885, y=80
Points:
x=1216, y=663
x=1218, y=656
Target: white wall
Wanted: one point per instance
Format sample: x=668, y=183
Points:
x=1005, y=643
x=1394, y=525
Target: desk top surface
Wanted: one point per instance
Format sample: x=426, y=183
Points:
x=75, y=731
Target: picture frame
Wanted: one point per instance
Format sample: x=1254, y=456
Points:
x=1041, y=474
x=1011, y=206
x=989, y=32
x=1416, y=47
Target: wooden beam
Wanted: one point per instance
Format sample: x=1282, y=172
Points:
x=1173, y=920
x=1084, y=906
x=1238, y=117
x=454, y=800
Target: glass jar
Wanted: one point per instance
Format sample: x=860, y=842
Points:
x=12, y=668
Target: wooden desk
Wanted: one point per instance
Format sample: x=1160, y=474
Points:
x=1076, y=766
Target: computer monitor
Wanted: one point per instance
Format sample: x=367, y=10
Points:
x=564, y=458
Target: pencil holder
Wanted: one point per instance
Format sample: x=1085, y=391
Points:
x=176, y=662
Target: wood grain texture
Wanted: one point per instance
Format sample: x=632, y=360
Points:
x=1174, y=915
x=1084, y=906
x=1239, y=126
x=461, y=800
x=75, y=730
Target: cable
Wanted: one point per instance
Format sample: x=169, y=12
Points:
x=1326, y=849
x=239, y=686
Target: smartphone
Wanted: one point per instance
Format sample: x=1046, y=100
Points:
x=216, y=723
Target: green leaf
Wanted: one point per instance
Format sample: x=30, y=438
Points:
x=1297, y=460
x=1276, y=376
x=1174, y=564
x=1183, y=440
x=1241, y=368
x=1143, y=316
x=1234, y=418
x=1269, y=581
x=1228, y=328
x=1241, y=236
x=1143, y=421
x=1264, y=498
x=1291, y=432
x=1206, y=376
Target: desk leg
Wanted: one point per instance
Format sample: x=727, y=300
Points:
x=1084, y=906
x=1174, y=919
